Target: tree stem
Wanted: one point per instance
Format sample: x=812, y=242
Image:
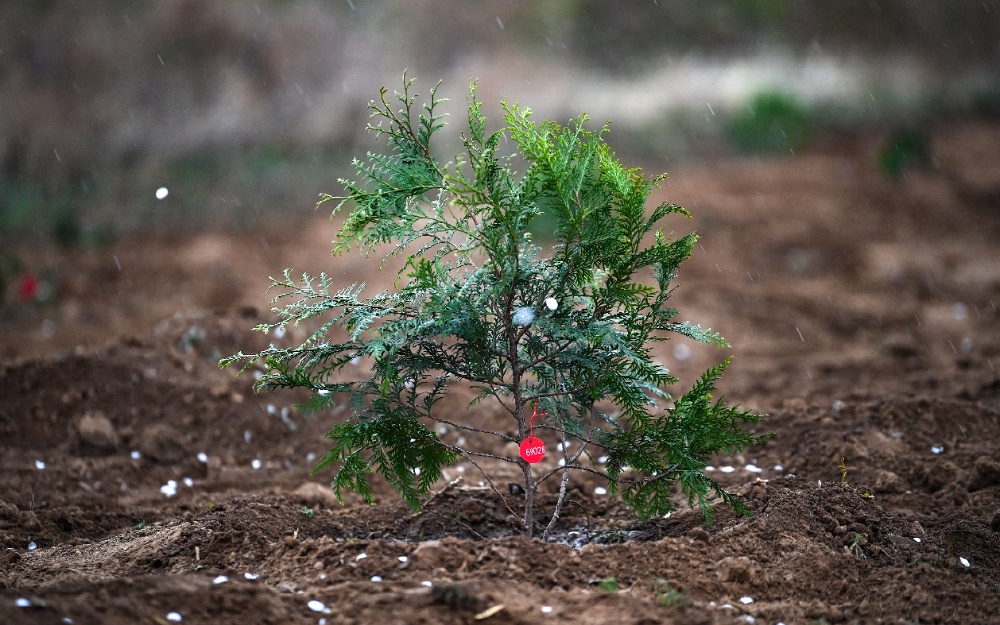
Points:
x=529, y=500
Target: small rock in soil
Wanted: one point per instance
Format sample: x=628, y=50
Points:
x=162, y=443
x=985, y=473
x=96, y=435
x=734, y=569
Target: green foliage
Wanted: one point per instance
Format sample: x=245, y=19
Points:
x=570, y=327
x=773, y=121
x=857, y=545
x=667, y=595
x=610, y=585
x=903, y=150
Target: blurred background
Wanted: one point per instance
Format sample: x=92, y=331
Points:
x=118, y=116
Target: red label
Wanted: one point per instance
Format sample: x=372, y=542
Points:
x=532, y=449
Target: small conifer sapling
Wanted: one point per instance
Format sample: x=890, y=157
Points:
x=559, y=337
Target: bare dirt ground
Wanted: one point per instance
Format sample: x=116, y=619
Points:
x=141, y=484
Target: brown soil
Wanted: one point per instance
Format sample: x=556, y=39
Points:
x=863, y=314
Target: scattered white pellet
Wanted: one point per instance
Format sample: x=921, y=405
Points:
x=937, y=450
x=710, y=468
x=746, y=600
x=752, y=468
x=402, y=559
x=727, y=469
x=779, y=468
x=600, y=490
x=426, y=583
x=361, y=556
x=174, y=617
x=256, y=464
x=964, y=562
x=32, y=546
x=23, y=603
x=322, y=392
x=916, y=540
x=602, y=459
x=170, y=488
x=356, y=360
x=40, y=465
x=546, y=609
x=221, y=579
x=250, y=576
x=161, y=194
x=376, y=578
x=188, y=482
x=316, y=606
x=551, y=303
x=203, y=458
x=279, y=332
x=749, y=619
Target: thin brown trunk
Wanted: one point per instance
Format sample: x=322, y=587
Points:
x=529, y=501
x=522, y=433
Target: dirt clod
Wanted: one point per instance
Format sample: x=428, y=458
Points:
x=96, y=434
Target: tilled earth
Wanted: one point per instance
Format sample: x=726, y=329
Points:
x=142, y=484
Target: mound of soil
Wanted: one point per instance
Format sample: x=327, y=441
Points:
x=141, y=483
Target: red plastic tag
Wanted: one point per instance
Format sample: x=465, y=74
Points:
x=532, y=449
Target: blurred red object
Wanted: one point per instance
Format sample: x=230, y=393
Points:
x=27, y=288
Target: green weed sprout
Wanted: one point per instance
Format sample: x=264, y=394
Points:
x=773, y=122
x=564, y=332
